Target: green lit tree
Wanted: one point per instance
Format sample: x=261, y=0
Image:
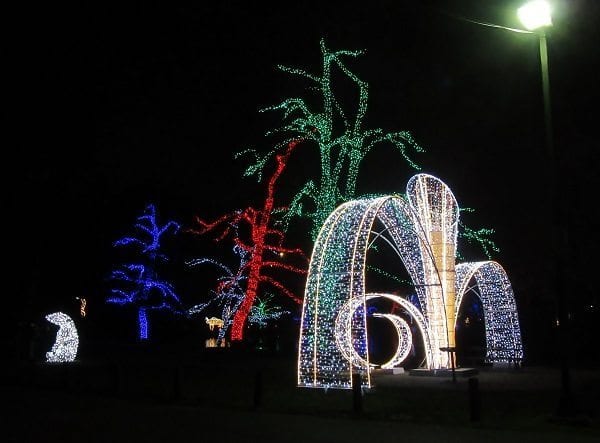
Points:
x=342, y=142
x=480, y=237
x=341, y=138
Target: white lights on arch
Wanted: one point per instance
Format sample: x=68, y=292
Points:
x=503, y=340
x=67, y=340
x=422, y=229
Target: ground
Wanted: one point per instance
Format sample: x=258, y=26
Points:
x=252, y=397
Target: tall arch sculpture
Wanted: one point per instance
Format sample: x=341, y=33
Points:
x=422, y=229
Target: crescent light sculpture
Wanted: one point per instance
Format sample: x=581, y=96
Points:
x=67, y=340
x=422, y=229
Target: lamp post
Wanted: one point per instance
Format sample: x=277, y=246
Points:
x=536, y=17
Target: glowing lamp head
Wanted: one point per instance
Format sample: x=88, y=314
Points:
x=535, y=14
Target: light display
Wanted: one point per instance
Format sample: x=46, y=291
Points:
x=263, y=311
x=138, y=283
x=229, y=291
x=502, y=332
x=264, y=248
x=404, y=340
x=479, y=236
x=214, y=343
x=437, y=212
x=144, y=290
x=422, y=230
x=339, y=134
x=214, y=322
x=228, y=295
x=67, y=340
x=150, y=233
x=342, y=141
x=82, y=306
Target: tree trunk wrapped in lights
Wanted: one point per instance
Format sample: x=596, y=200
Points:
x=263, y=247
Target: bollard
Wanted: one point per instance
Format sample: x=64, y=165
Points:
x=258, y=389
x=474, y=399
x=357, y=393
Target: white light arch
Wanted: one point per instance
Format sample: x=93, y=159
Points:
x=422, y=230
x=502, y=329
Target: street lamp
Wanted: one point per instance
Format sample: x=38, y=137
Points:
x=535, y=14
x=536, y=17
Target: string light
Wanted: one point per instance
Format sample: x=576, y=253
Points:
x=214, y=321
x=150, y=233
x=139, y=283
x=145, y=291
x=67, y=341
x=263, y=248
x=343, y=326
x=82, y=306
x=404, y=340
x=437, y=211
x=422, y=229
x=262, y=311
x=342, y=142
x=341, y=152
x=229, y=291
x=228, y=295
x=502, y=329
x=479, y=236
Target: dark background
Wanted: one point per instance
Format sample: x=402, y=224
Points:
x=119, y=106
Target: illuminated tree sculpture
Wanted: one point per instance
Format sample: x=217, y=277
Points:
x=138, y=283
x=264, y=246
x=422, y=230
x=263, y=311
x=151, y=233
x=229, y=291
x=339, y=135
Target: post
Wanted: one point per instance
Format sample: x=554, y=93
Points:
x=453, y=365
x=451, y=354
x=356, y=393
x=546, y=95
x=559, y=236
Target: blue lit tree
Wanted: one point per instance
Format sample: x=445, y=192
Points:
x=138, y=283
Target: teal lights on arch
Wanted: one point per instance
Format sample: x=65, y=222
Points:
x=422, y=229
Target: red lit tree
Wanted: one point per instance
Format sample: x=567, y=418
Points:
x=264, y=246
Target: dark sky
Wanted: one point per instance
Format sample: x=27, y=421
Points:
x=121, y=106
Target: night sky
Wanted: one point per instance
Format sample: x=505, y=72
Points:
x=122, y=106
